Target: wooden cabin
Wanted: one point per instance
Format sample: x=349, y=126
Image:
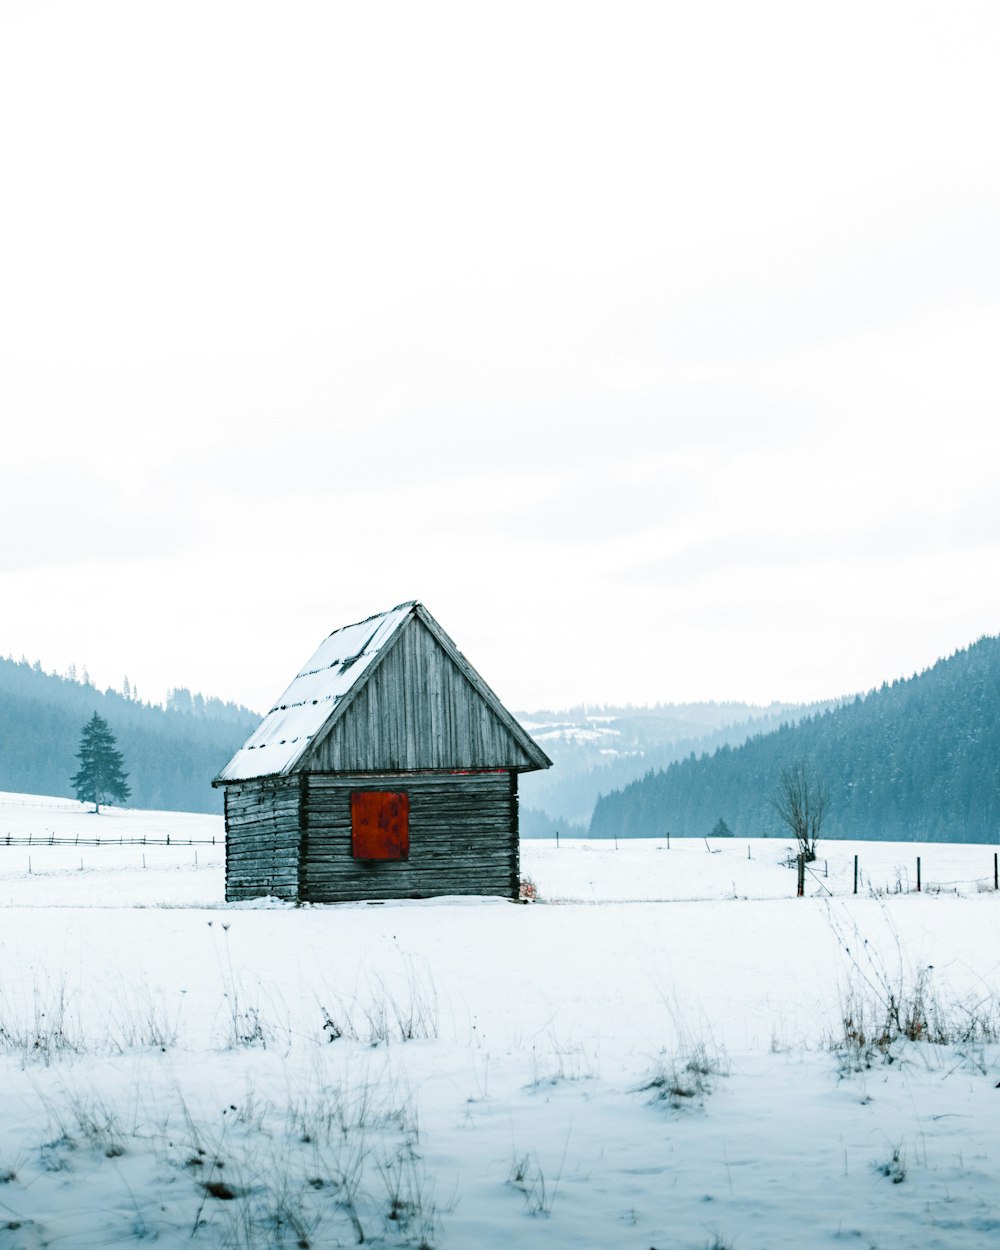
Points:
x=387, y=769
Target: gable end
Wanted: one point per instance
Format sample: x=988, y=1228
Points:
x=422, y=707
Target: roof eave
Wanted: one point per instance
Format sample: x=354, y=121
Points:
x=287, y=771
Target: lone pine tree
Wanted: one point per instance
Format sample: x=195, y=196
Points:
x=100, y=777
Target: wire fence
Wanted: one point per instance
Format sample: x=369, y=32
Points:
x=920, y=883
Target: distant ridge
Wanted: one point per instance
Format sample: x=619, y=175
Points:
x=915, y=760
x=599, y=749
x=171, y=754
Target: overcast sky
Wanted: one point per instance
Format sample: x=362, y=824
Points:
x=655, y=347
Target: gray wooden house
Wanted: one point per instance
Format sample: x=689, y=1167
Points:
x=387, y=769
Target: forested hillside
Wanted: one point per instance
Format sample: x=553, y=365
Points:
x=598, y=749
x=171, y=753
x=919, y=758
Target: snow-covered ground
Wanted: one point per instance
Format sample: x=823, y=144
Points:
x=655, y=1055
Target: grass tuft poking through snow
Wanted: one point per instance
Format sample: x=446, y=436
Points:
x=329, y=1162
x=684, y=1079
x=43, y=1028
x=526, y=1175
x=889, y=1003
x=894, y=1168
x=400, y=1012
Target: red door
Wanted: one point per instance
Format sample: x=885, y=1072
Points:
x=380, y=824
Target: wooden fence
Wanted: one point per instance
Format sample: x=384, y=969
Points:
x=48, y=839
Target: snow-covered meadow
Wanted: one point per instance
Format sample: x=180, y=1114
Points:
x=654, y=1055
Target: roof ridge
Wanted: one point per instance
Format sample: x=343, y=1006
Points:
x=407, y=603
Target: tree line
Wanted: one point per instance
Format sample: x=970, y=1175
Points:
x=171, y=753
x=640, y=740
x=915, y=759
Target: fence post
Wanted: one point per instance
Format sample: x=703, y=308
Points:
x=855, y=874
x=801, y=865
x=918, y=874
x=557, y=839
x=996, y=874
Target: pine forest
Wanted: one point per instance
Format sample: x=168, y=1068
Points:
x=915, y=759
x=170, y=753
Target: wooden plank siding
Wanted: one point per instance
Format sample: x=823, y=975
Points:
x=263, y=839
x=463, y=837
x=417, y=710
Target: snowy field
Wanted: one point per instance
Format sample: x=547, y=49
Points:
x=668, y=1050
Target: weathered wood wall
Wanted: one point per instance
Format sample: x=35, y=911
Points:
x=417, y=710
x=263, y=839
x=463, y=838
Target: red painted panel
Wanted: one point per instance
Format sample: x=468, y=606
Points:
x=380, y=824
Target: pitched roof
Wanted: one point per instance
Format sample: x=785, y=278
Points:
x=329, y=681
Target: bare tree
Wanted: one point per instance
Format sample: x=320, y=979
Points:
x=801, y=803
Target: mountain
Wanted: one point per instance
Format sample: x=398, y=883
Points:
x=598, y=749
x=171, y=753
x=917, y=759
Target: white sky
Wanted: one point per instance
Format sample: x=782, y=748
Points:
x=653, y=346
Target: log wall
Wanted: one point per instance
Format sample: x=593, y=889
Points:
x=463, y=837
x=263, y=839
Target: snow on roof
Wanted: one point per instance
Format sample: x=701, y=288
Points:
x=286, y=731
